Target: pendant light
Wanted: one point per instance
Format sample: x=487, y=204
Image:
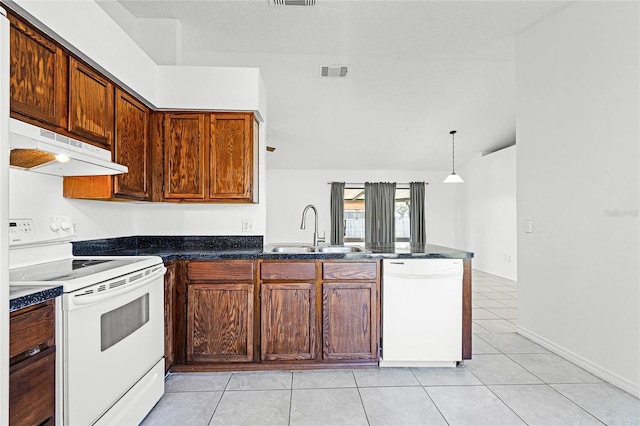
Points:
x=453, y=177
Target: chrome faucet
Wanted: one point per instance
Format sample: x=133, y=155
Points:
x=316, y=238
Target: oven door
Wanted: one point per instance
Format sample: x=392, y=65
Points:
x=111, y=339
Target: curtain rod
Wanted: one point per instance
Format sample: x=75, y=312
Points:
x=348, y=184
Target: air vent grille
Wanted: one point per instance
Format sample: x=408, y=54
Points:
x=333, y=72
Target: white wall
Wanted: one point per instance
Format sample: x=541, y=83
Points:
x=289, y=191
x=577, y=180
x=34, y=193
x=191, y=87
x=487, y=212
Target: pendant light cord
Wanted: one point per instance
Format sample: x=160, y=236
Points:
x=453, y=151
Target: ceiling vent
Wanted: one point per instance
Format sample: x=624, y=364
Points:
x=294, y=2
x=333, y=72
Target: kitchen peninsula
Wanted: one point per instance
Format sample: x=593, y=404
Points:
x=232, y=305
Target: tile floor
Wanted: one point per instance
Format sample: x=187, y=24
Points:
x=509, y=381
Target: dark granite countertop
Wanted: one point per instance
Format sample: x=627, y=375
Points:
x=217, y=247
x=245, y=247
x=24, y=296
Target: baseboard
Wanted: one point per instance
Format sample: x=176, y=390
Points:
x=582, y=362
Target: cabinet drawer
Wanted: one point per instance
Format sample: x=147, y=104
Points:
x=230, y=270
x=31, y=327
x=350, y=271
x=288, y=271
x=32, y=389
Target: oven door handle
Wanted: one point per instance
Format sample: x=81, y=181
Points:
x=82, y=300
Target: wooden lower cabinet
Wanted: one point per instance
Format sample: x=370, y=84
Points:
x=220, y=311
x=350, y=313
x=349, y=321
x=32, y=363
x=288, y=321
x=266, y=314
x=169, y=310
x=220, y=322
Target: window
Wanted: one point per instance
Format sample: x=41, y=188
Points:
x=354, y=214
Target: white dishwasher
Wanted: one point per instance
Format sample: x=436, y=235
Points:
x=421, y=312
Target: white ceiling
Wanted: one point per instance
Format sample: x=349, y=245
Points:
x=417, y=69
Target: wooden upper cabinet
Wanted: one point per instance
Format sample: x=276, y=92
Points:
x=172, y=156
x=38, y=82
x=232, y=156
x=185, y=156
x=91, y=104
x=131, y=146
x=209, y=157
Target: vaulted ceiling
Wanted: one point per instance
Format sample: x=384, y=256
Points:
x=416, y=70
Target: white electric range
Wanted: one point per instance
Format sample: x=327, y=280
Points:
x=109, y=322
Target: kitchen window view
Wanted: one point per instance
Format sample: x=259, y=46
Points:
x=354, y=208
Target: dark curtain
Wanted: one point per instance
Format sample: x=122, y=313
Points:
x=417, y=215
x=337, y=213
x=379, y=211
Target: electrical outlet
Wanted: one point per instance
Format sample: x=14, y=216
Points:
x=507, y=258
x=528, y=226
x=248, y=225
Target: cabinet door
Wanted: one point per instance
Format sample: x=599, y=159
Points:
x=32, y=327
x=288, y=318
x=169, y=297
x=231, y=160
x=220, y=322
x=131, y=146
x=38, y=76
x=90, y=104
x=349, y=321
x=185, y=156
x=32, y=389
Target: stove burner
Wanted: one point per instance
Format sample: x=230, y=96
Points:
x=77, y=264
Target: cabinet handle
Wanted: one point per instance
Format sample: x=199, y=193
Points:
x=33, y=351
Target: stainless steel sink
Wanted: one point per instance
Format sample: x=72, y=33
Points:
x=291, y=249
x=301, y=248
x=341, y=249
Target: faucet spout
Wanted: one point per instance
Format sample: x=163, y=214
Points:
x=316, y=239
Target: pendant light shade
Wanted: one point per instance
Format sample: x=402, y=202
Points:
x=453, y=177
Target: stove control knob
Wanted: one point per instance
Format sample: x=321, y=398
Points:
x=64, y=225
x=54, y=226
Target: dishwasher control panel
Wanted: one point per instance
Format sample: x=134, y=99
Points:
x=422, y=267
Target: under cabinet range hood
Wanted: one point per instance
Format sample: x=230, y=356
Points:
x=43, y=151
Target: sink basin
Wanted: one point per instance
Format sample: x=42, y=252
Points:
x=341, y=249
x=292, y=249
x=301, y=248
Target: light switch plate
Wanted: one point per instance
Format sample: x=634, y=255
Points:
x=528, y=226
